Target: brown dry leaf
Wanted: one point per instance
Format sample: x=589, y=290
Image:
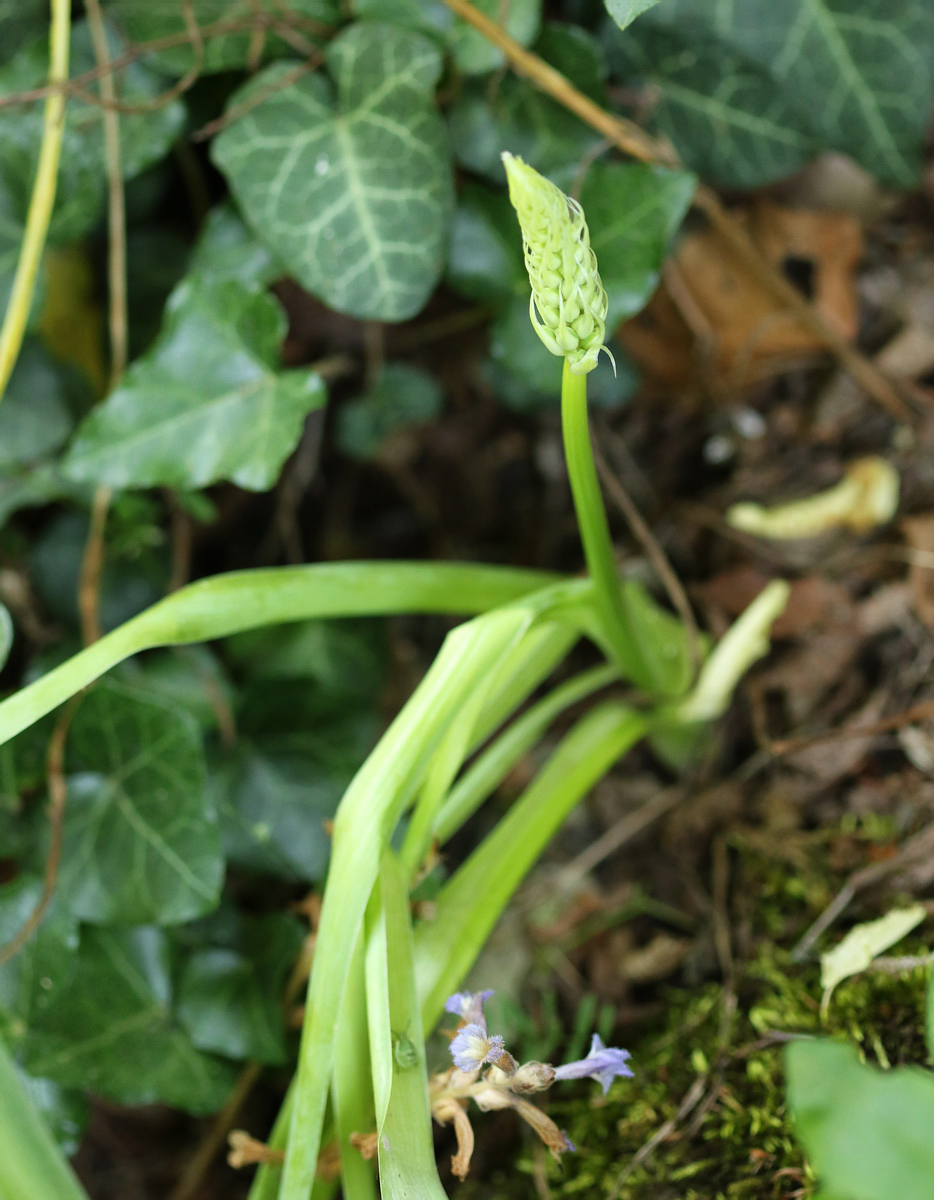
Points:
x=830, y=761
x=710, y=309
x=919, y=534
x=812, y=603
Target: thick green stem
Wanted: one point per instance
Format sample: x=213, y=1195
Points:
x=619, y=626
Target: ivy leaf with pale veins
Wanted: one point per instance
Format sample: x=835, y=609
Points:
x=624, y=12
x=349, y=182
x=111, y=1028
x=141, y=841
x=206, y=402
x=862, y=69
x=729, y=118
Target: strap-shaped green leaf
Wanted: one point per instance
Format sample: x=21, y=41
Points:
x=205, y=403
x=350, y=185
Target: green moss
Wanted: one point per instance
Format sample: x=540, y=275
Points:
x=736, y=1141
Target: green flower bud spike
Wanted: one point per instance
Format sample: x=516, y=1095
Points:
x=568, y=310
x=568, y=302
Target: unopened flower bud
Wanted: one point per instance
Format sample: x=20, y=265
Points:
x=569, y=303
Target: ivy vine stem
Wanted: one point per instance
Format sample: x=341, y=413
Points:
x=617, y=623
x=43, y=197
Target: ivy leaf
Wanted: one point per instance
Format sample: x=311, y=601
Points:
x=729, y=118
x=864, y=943
x=866, y=1132
x=529, y=123
x=633, y=212
x=144, y=138
x=403, y=395
x=34, y=417
x=141, y=842
x=205, y=403
x=476, y=54
x=228, y=250
x=111, y=1028
x=21, y=22
x=33, y=978
x=624, y=12
x=230, y=999
x=277, y=792
x=485, y=255
x=350, y=185
x=860, y=68
x=431, y=17
x=222, y=51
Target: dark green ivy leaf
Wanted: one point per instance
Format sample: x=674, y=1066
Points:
x=224, y=51
x=860, y=69
x=207, y=402
x=729, y=118
x=141, y=842
x=230, y=998
x=111, y=1028
x=82, y=178
x=633, y=212
x=403, y=395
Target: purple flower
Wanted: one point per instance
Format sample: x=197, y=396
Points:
x=469, y=1006
x=473, y=1047
x=603, y=1063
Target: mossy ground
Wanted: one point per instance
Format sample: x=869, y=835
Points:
x=721, y=1047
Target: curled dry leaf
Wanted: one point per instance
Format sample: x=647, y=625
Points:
x=867, y=496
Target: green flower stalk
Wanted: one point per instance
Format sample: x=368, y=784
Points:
x=568, y=302
x=568, y=310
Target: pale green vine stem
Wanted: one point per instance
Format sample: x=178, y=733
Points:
x=43, y=197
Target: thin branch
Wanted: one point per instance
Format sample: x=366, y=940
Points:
x=653, y=548
x=92, y=566
x=116, y=207
x=58, y=794
x=42, y=200
x=260, y=97
x=287, y=26
x=920, y=712
x=628, y=137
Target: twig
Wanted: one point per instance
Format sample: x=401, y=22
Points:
x=42, y=199
x=920, y=712
x=918, y=847
x=630, y=138
x=284, y=26
x=692, y=1098
x=259, y=97
x=190, y=1184
x=58, y=794
x=92, y=565
x=657, y=556
x=116, y=207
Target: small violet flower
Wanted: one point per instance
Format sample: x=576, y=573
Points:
x=469, y=1006
x=473, y=1047
x=603, y=1063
